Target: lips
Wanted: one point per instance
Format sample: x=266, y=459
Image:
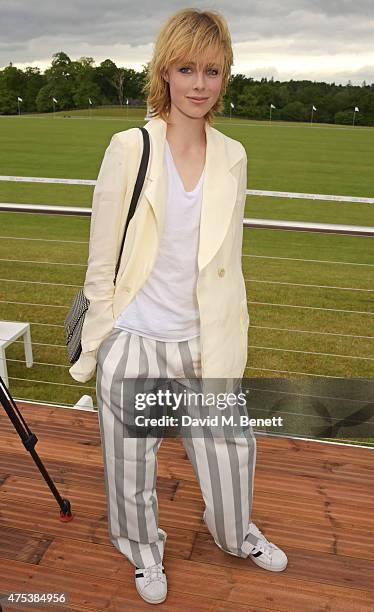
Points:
x=198, y=100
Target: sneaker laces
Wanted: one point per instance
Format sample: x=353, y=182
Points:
x=264, y=546
x=263, y=543
x=153, y=573
x=254, y=529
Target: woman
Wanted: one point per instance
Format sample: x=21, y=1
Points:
x=179, y=307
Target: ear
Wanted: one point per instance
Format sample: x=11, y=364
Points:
x=165, y=75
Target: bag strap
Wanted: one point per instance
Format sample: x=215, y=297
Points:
x=137, y=189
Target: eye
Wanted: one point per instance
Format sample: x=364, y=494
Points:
x=209, y=70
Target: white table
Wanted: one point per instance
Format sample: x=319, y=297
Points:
x=9, y=332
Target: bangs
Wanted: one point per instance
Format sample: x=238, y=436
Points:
x=209, y=57
x=198, y=41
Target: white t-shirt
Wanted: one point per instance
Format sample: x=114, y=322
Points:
x=166, y=307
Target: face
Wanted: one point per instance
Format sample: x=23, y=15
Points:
x=189, y=80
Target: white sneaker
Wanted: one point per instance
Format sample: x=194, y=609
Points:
x=151, y=583
x=265, y=554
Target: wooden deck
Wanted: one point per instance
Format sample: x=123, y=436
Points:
x=314, y=500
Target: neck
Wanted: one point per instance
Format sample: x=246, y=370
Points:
x=186, y=133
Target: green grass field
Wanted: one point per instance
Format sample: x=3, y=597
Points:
x=286, y=157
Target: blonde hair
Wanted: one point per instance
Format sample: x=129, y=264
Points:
x=188, y=35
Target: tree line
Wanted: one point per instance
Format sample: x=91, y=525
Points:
x=78, y=84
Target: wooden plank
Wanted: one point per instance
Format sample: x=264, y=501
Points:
x=21, y=464
x=305, y=486
x=316, y=448
x=26, y=608
x=23, y=545
x=321, y=511
x=85, y=452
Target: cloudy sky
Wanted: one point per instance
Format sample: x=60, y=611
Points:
x=329, y=40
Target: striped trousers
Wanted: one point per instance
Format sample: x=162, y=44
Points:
x=224, y=467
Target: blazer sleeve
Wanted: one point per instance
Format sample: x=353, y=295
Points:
x=107, y=205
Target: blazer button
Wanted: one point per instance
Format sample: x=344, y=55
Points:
x=221, y=272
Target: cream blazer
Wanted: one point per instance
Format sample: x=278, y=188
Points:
x=221, y=291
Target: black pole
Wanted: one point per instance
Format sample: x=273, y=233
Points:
x=29, y=441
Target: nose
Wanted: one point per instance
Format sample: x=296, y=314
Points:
x=199, y=80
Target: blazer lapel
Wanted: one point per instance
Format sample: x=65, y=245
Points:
x=219, y=187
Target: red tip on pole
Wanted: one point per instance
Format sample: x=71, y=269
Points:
x=65, y=518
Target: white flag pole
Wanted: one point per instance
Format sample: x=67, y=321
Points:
x=311, y=117
x=54, y=101
x=19, y=110
x=270, y=111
